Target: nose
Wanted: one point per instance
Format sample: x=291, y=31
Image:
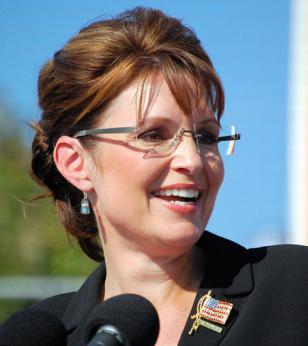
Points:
x=186, y=157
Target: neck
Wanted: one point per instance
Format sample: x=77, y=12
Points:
x=171, y=277
x=169, y=282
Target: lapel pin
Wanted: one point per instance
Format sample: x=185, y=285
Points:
x=213, y=310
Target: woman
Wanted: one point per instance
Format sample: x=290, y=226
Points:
x=128, y=147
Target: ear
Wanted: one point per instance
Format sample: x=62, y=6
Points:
x=73, y=162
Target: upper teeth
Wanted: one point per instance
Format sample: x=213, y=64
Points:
x=179, y=193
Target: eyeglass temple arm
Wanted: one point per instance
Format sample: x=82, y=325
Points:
x=234, y=137
x=102, y=131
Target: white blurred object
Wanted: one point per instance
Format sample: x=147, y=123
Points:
x=37, y=287
x=231, y=146
x=297, y=136
x=265, y=235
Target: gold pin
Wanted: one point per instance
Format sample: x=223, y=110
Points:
x=210, y=309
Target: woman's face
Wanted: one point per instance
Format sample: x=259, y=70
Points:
x=131, y=194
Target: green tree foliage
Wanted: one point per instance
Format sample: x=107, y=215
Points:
x=31, y=238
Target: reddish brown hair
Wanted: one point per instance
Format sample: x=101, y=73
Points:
x=93, y=68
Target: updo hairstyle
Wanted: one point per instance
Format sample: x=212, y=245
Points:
x=92, y=69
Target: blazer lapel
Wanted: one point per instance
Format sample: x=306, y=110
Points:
x=228, y=275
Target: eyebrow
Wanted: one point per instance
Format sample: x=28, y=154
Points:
x=156, y=119
x=151, y=121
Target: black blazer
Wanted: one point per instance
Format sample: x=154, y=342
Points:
x=268, y=287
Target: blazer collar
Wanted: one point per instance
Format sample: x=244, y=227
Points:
x=228, y=266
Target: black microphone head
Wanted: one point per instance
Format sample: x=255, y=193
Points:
x=32, y=327
x=134, y=316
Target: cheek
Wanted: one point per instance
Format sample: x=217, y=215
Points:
x=214, y=170
x=124, y=177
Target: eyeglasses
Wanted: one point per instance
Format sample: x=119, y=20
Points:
x=157, y=144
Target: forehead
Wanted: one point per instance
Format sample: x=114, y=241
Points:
x=151, y=99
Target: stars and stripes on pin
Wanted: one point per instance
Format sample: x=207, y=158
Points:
x=210, y=309
x=215, y=310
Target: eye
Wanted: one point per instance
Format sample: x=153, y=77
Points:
x=204, y=137
x=152, y=136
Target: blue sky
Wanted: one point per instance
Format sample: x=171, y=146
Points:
x=248, y=43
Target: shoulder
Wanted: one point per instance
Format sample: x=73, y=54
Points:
x=282, y=268
x=277, y=257
x=279, y=266
x=280, y=256
x=56, y=305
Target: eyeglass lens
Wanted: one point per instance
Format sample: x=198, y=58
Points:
x=205, y=143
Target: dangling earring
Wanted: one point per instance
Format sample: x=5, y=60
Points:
x=84, y=205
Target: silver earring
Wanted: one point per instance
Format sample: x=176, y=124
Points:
x=84, y=205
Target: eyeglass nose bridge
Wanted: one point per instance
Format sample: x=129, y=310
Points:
x=182, y=133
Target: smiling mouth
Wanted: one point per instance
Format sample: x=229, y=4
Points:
x=178, y=196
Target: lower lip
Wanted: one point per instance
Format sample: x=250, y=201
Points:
x=181, y=209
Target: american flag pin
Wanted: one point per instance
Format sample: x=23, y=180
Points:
x=213, y=310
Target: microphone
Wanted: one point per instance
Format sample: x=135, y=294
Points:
x=32, y=327
x=124, y=320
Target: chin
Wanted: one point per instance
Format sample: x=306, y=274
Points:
x=183, y=235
